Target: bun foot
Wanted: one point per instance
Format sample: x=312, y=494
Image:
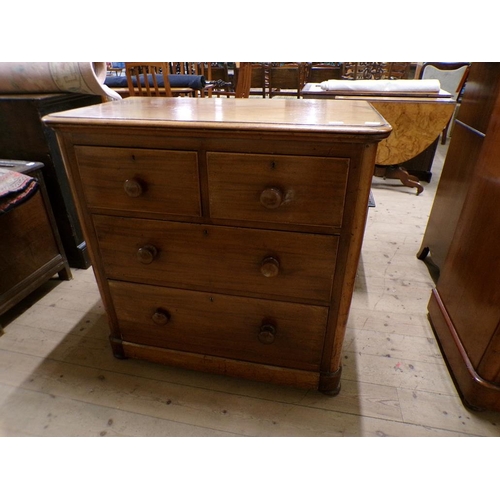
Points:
x=329, y=383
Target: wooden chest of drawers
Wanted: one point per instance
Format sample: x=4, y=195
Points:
x=225, y=233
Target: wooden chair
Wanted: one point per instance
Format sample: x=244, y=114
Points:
x=218, y=77
x=192, y=68
x=452, y=78
x=375, y=70
x=219, y=72
x=286, y=79
x=397, y=70
x=243, y=79
x=258, y=84
x=240, y=80
x=143, y=80
x=320, y=72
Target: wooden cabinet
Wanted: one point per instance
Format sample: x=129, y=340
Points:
x=225, y=233
x=23, y=136
x=463, y=238
x=31, y=251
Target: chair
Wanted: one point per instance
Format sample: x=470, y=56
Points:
x=452, y=78
x=193, y=68
x=240, y=81
x=115, y=67
x=243, y=77
x=286, y=79
x=316, y=72
x=398, y=70
x=223, y=81
x=151, y=79
x=258, y=83
x=143, y=79
x=375, y=70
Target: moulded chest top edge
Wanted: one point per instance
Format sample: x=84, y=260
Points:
x=330, y=116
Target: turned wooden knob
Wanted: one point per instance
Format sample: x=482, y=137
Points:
x=267, y=334
x=270, y=267
x=133, y=188
x=271, y=198
x=146, y=254
x=160, y=317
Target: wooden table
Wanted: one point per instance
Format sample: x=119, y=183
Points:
x=416, y=120
x=225, y=233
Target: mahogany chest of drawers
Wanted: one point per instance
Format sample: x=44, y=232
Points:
x=225, y=233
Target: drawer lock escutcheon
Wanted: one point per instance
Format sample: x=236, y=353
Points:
x=267, y=334
x=146, y=254
x=270, y=267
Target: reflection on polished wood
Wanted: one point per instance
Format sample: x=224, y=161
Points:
x=343, y=117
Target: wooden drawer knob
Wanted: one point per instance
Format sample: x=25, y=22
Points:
x=133, y=188
x=160, y=317
x=267, y=334
x=146, y=254
x=270, y=267
x=271, y=198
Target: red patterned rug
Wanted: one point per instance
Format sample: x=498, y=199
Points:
x=15, y=188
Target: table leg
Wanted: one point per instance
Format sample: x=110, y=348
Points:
x=396, y=172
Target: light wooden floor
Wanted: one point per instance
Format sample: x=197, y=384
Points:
x=59, y=378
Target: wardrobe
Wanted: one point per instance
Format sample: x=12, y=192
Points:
x=462, y=239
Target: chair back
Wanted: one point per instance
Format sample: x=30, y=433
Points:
x=451, y=76
x=148, y=79
x=243, y=80
x=286, y=79
x=320, y=72
x=375, y=70
x=258, y=83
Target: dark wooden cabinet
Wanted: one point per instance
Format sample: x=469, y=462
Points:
x=23, y=136
x=463, y=237
x=473, y=120
x=30, y=248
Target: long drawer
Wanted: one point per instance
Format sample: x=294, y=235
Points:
x=140, y=180
x=274, y=264
x=279, y=189
x=256, y=330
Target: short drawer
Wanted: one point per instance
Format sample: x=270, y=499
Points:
x=238, y=260
x=280, y=189
x=140, y=180
x=257, y=330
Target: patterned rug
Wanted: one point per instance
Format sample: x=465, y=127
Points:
x=15, y=188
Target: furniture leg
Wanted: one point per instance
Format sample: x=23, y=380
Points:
x=423, y=253
x=409, y=180
x=396, y=172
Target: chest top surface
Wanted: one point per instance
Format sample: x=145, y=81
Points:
x=327, y=116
